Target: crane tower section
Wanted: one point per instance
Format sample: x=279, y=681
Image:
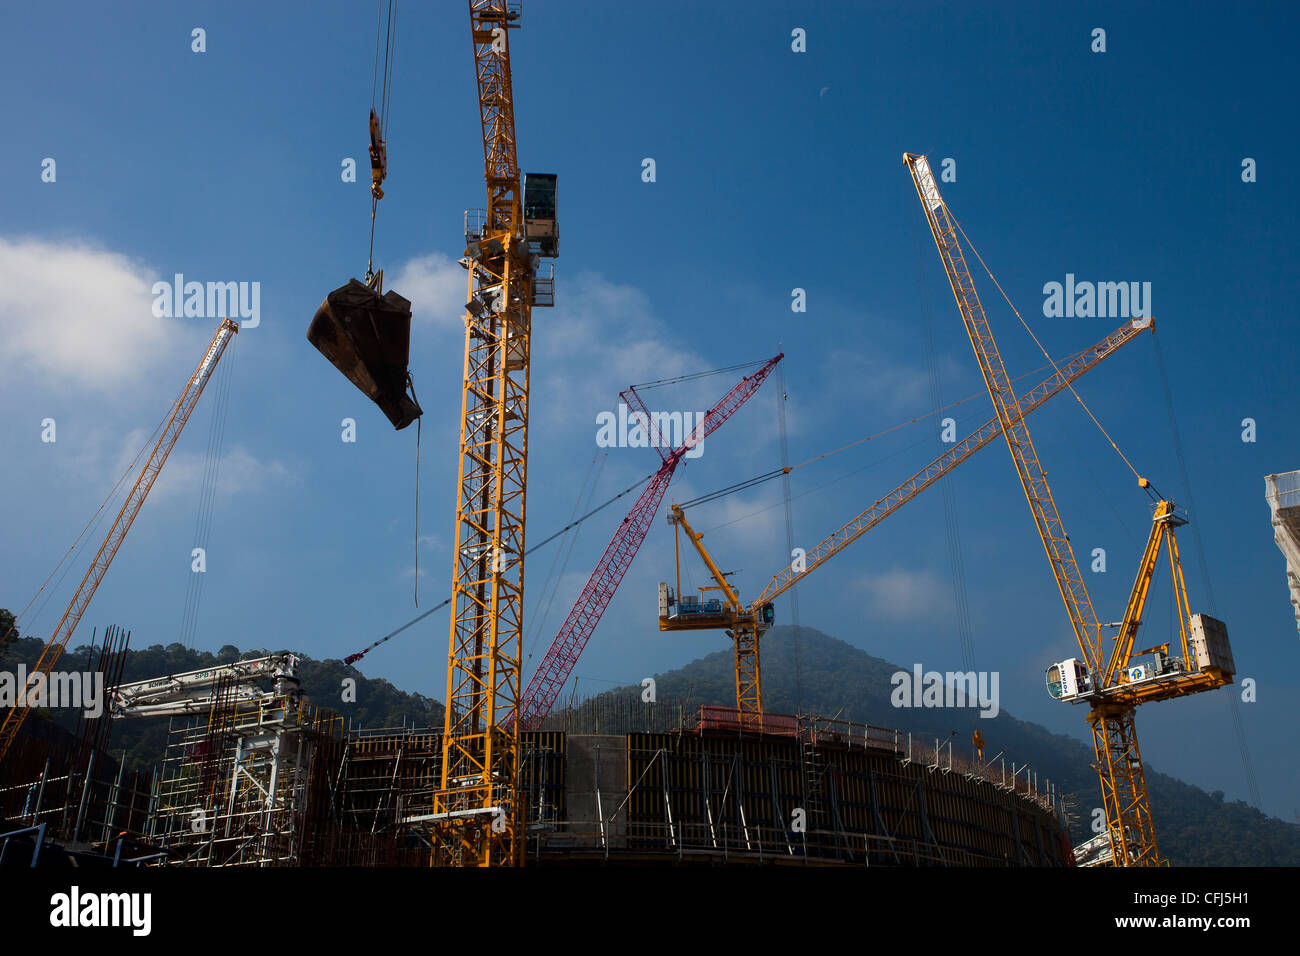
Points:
x=477, y=821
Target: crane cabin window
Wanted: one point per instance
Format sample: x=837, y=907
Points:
x=539, y=213
x=1054, y=681
x=539, y=196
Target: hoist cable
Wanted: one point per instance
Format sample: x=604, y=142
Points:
x=692, y=376
x=221, y=389
x=353, y=658
x=1243, y=745
x=79, y=543
x=778, y=472
x=410, y=383
x=390, y=56
x=781, y=399
x=1068, y=384
x=551, y=586
x=952, y=528
x=732, y=489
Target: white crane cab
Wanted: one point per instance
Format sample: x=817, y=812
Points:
x=1068, y=679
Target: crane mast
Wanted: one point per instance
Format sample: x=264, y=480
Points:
x=180, y=414
x=476, y=819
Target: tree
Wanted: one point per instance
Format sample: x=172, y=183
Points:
x=8, y=630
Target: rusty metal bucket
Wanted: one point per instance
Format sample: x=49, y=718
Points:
x=367, y=337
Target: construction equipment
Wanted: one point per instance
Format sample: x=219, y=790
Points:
x=366, y=335
x=1282, y=492
x=746, y=623
x=378, y=156
x=476, y=820
x=196, y=692
x=171, y=431
x=363, y=332
x=1112, y=685
x=562, y=655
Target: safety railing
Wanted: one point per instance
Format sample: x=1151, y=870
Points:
x=39, y=830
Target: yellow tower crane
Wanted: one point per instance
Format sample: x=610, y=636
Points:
x=745, y=624
x=179, y=415
x=476, y=819
x=1112, y=685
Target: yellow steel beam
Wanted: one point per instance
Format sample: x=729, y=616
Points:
x=1123, y=786
x=1033, y=479
x=679, y=521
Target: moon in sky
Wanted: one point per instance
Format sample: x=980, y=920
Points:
x=822, y=94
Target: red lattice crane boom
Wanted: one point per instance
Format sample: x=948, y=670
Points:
x=562, y=656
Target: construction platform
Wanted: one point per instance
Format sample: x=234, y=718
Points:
x=282, y=783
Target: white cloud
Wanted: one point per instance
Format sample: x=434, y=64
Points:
x=600, y=338
x=77, y=314
x=437, y=288
x=902, y=595
x=882, y=381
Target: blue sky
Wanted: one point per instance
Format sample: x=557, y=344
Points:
x=775, y=170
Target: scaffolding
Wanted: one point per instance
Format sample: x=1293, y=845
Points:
x=248, y=785
x=278, y=782
x=382, y=794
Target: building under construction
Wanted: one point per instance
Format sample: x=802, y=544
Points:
x=274, y=781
